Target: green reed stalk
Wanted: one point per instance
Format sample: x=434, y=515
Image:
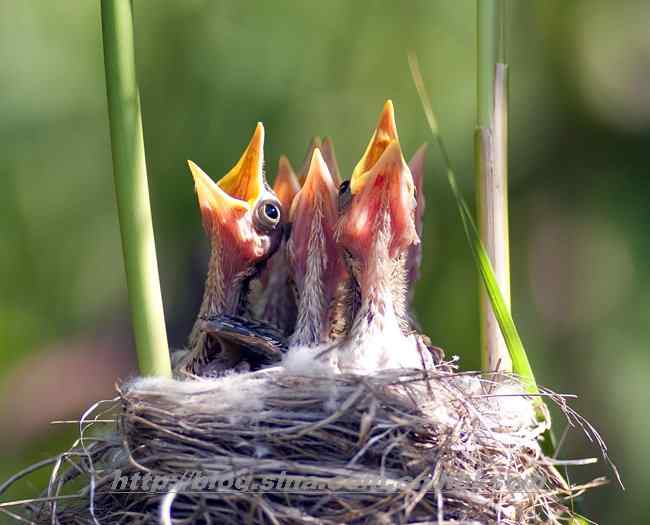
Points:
x=491, y=146
x=131, y=190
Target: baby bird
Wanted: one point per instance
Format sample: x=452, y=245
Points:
x=315, y=264
x=243, y=219
x=278, y=298
x=376, y=230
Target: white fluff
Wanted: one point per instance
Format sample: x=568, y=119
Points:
x=310, y=360
x=237, y=393
x=516, y=410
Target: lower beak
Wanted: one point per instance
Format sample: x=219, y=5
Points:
x=217, y=207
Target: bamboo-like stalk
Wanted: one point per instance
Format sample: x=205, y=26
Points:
x=131, y=190
x=491, y=143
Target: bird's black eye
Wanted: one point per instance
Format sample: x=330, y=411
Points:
x=268, y=215
x=345, y=195
x=271, y=211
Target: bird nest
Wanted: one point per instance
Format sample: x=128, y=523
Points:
x=283, y=445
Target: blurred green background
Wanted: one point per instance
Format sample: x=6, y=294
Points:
x=208, y=70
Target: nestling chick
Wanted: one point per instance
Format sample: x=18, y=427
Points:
x=315, y=264
x=243, y=219
x=376, y=230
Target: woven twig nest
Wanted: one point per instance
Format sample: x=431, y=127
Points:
x=283, y=446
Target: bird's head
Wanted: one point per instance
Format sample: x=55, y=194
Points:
x=316, y=266
x=377, y=207
x=241, y=214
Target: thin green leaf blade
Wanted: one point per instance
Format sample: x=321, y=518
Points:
x=521, y=365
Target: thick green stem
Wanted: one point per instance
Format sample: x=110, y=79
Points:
x=491, y=143
x=131, y=190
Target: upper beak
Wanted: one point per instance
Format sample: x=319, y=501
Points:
x=237, y=192
x=246, y=180
x=286, y=185
x=384, y=135
x=383, y=202
x=313, y=215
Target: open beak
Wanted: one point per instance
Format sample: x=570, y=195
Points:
x=286, y=185
x=382, y=207
x=384, y=135
x=314, y=214
x=224, y=204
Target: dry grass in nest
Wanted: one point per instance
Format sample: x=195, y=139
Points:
x=465, y=447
